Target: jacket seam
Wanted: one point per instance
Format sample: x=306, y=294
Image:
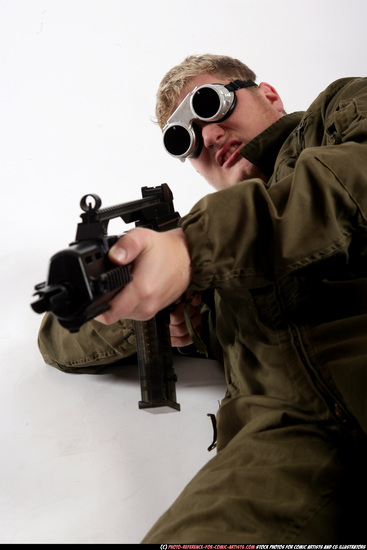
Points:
x=86, y=360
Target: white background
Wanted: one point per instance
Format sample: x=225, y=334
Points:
x=78, y=461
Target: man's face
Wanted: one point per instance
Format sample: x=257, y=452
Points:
x=219, y=161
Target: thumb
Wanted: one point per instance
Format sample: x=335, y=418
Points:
x=128, y=247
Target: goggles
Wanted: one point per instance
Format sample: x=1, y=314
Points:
x=210, y=103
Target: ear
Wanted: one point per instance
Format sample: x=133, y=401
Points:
x=272, y=96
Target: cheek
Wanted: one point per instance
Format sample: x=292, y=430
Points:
x=206, y=171
x=200, y=165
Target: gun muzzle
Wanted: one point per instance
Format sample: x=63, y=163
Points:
x=50, y=297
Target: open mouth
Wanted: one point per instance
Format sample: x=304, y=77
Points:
x=228, y=153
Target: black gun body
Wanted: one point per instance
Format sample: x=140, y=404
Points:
x=82, y=281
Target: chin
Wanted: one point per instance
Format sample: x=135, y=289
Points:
x=251, y=171
x=242, y=171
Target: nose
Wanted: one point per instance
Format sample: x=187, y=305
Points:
x=213, y=135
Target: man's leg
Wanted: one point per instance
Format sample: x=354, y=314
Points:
x=281, y=485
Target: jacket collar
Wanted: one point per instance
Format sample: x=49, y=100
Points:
x=263, y=150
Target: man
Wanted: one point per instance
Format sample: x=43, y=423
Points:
x=283, y=246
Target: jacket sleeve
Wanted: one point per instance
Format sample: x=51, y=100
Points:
x=88, y=351
x=249, y=234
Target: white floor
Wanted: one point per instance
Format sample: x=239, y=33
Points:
x=79, y=462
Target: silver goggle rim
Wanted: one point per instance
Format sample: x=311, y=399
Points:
x=185, y=114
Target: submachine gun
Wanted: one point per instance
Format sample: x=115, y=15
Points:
x=82, y=280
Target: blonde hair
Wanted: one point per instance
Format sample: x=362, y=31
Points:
x=175, y=80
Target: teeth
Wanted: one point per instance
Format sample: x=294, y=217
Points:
x=230, y=152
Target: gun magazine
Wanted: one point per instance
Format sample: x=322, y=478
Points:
x=155, y=363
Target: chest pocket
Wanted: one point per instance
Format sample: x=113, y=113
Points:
x=344, y=114
x=346, y=117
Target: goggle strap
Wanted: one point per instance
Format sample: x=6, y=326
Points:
x=238, y=84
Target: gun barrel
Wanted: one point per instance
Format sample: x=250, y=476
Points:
x=49, y=297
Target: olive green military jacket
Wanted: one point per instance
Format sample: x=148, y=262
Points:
x=288, y=268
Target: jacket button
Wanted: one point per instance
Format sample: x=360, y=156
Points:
x=339, y=413
x=352, y=430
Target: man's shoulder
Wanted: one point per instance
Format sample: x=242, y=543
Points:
x=342, y=88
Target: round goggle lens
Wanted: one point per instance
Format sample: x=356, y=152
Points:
x=206, y=102
x=177, y=140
